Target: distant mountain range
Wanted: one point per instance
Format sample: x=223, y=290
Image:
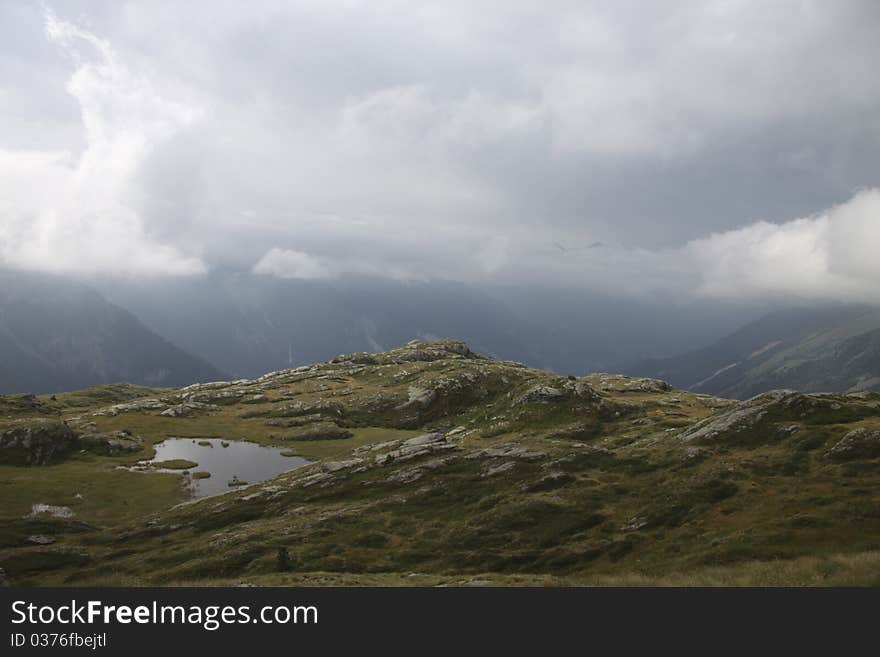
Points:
x=248, y=325
x=827, y=349
x=59, y=335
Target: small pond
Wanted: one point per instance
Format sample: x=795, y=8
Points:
x=226, y=461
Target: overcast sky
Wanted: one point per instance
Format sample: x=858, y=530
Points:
x=714, y=149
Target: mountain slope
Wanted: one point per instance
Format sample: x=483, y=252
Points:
x=431, y=459
x=827, y=349
x=249, y=325
x=57, y=335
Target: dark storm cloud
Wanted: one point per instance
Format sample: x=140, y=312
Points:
x=455, y=140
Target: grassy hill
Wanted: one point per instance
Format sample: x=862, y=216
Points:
x=433, y=465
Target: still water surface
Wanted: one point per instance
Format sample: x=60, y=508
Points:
x=248, y=462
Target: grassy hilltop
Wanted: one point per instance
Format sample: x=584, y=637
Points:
x=434, y=465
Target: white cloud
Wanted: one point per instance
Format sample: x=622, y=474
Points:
x=283, y=263
x=830, y=256
x=77, y=213
x=292, y=264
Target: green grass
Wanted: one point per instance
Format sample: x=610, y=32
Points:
x=174, y=464
x=94, y=489
x=853, y=569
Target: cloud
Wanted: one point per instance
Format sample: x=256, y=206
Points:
x=458, y=140
x=830, y=256
x=76, y=213
x=284, y=263
x=291, y=264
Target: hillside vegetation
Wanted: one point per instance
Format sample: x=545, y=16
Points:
x=434, y=465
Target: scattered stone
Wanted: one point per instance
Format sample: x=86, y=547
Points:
x=421, y=396
x=635, y=524
x=211, y=398
x=319, y=478
x=548, y=482
x=320, y=431
x=541, y=394
x=334, y=466
x=408, y=452
x=110, y=445
x=139, y=405
x=375, y=447
x=507, y=466
x=54, y=511
x=187, y=409
x=509, y=451
x=40, y=540
x=477, y=581
x=425, y=439
x=415, y=472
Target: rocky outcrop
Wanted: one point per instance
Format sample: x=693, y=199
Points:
x=215, y=397
x=647, y=385
x=416, y=447
x=412, y=352
x=541, y=395
x=359, y=358
x=859, y=443
x=507, y=451
x=753, y=420
x=63, y=512
x=40, y=442
x=110, y=444
x=561, y=390
x=335, y=466
x=413, y=473
x=319, y=431
x=620, y=383
x=139, y=405
x=187, y=409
